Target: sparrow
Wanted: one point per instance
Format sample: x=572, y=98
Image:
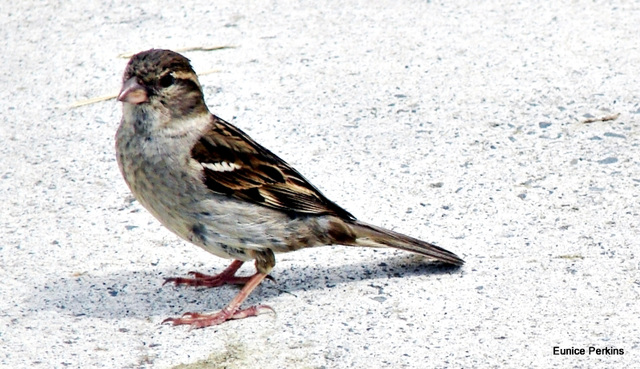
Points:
x=211, y=184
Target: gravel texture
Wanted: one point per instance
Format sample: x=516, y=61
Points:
x=504, y=131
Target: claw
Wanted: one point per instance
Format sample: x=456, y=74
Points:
x=252, y=311
x=198, y=275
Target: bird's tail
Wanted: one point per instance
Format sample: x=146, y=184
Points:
x=372, y=236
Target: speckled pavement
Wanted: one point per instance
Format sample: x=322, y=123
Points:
x=505, y=132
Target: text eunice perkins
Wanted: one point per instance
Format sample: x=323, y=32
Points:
x=588, y=351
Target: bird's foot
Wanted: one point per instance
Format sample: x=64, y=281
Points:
x=228, y=276
x=205, y=280
x=199, y=320
x=231, y=311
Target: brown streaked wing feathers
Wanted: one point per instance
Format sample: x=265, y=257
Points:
x=261, y=177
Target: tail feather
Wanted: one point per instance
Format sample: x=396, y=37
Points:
x=372, y=236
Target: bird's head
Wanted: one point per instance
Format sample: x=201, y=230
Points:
x=164, y=82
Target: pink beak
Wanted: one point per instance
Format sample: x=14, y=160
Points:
x=132, y=92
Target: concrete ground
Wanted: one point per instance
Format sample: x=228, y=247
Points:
x=504, y=132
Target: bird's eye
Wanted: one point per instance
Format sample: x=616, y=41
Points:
x=167, y=80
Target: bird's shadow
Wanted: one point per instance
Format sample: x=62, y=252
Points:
x=141, y=294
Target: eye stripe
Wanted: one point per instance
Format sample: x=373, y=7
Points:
x=186, y=76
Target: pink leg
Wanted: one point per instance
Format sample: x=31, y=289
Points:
x=231, y=311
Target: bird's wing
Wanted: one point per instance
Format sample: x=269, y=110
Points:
x=235, y=165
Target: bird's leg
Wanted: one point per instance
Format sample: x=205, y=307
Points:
x=228, y=276
x=231, y=311
x=265, y=261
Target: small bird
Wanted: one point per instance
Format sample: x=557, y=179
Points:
x=212, y=185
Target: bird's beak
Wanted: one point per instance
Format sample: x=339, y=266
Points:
x=132, y=92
